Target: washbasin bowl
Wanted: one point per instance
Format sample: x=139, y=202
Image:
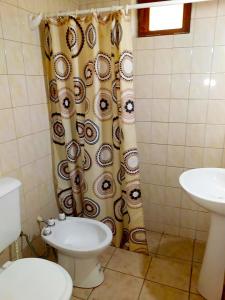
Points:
x=206, y=187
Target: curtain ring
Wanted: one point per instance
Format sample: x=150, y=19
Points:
x=97, y=12
x=113, y=8
x=94, y=12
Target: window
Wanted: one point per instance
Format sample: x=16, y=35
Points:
x=163, y=20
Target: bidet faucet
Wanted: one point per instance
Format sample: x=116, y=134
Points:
x=49, y=222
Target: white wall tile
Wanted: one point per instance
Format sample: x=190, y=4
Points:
x=4, y=92
x=177, y=133
x=159, y=133
x=178, y=110
x=216, y=110
x=160, y=110
x=161, y=86
x=144, y=62
x=217, y=86
x=201, y=59
x=7, y=128
x=218, y=63
x=215, y=136
x=163, y=61
x=199, y=87
x=161, y=42
x=3, y=68
x=172, y=196
x=175, y=156
x=197, y=111
x=193, y=157
x=143, y=86
x=11, y=30
x=180, y=86
x=219, y=34
x=143, y=109
x=14, y=57
x=182, y=60
x=204, y=10
x=158, y=154
x=204, y=32
x=195, y=135
x=18, y=90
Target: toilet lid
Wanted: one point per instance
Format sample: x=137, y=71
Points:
x=34, y=278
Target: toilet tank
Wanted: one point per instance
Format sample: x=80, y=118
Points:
x=10, y=223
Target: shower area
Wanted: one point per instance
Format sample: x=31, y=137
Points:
x=178, y=100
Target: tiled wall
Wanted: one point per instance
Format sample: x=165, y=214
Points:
x=24, y=126
x=180, y=92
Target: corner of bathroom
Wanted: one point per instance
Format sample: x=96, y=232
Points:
x=112, y=150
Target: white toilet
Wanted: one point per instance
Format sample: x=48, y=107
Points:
x=29, y=278
x=79, y=242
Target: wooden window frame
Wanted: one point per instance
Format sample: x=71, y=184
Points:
x=143, y=21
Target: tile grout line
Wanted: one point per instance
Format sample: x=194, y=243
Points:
x=139, y=295
x=114, y=251
x=169, y=286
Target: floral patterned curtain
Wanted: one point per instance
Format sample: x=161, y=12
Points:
x=89, y=66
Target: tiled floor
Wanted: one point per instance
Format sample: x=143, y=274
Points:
x=169, y=273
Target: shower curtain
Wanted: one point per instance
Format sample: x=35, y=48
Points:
x=89, y=66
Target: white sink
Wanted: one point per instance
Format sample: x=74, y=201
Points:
x=206, y=186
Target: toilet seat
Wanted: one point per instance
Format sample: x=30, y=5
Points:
x=34, y=278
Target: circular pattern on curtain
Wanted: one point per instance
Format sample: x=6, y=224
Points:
x=53, y=91
x=91, y=132
x=103, y=66
x=131, y=161
x=74, y=37
x=63, y=170
x=79, y=90
x=104, y=186
x=109, y=221
x=62, y=66
x=77, y=179
x=91, y=208
x=104, y=155
x=117, y=33
x=126, y=65
x=66, y=201
x=47, y=41
x=67, y=102
x=103, y=104
x=73, y=151
x=91, y=35
x=57, y=129
x=119, y=206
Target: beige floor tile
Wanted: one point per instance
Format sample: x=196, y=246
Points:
x=155, y=291
x=196, y=297
x=153, y=239
x=117, y=286
x=106, y=255
x=176, y=247
x=199, y=249
x=170, y=272
x=81, y=293
x=128, y=262
x=194, y=277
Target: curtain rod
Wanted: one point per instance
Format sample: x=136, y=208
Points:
x=35, y=20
